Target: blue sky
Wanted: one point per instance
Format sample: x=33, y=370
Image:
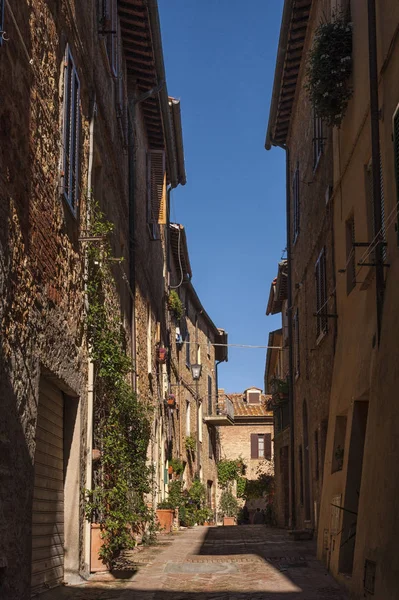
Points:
x=220, y=59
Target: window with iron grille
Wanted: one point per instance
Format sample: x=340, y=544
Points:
x=371, y=258
x=300, y=457
x=350, y=255
x=295, y=325
x=396, y=160
x=295, y=199
x=2, y=2
x=209, y=395
x=316, y=454
x=321, y=295
x=187, y=340
x=71, y=131
x=210, y=445
x=317, y=139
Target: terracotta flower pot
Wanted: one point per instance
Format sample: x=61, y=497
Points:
x=165, y=519
x=171, y=400
x=170, y=470
x=229, y=521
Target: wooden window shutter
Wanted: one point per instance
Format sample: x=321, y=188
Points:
x=396, y=159
x=2, y=2
x=254, y=445
x=268, y=446
x=156, y=187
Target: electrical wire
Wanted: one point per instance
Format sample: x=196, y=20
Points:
x=175, y=287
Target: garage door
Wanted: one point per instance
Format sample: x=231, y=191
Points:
x=48, y=494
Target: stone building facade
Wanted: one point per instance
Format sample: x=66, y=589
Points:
x=250, y=434
x=308, y=142
x=194, y=340
x=276, y=384
x=81, y=114
x=355, y=375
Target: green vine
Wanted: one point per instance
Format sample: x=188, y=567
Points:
x=230, y=470
x=328, y=69
x=121, y=422
x=177, y=466
x=175, y=304
x=190, y=444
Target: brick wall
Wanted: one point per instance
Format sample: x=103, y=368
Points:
x=41, y=257
x=312, y=384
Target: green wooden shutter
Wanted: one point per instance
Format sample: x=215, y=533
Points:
x=396, y=159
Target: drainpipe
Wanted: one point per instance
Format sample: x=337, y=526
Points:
x=375, y=154
x=268, y=145
x=290, y=340
x=90, y=366
x=132, y=205
x=197, y=402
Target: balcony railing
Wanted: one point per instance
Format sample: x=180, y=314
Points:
x=224, y=414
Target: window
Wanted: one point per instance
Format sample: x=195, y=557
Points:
x=318, y=139
x=316, y=455
x=2, y=2
x=396, y=159
x=71, y=130
x=209, y=395
x=253, y=397
x=321, y=295
x=149, y=340
x=370, y=210
x=350, y=255
x=337, y=462
x=295, y=326
x=295, y=198
x=188, y=417
x=187, y=344
x=300, y=457
x=210, y=448
x=261, y=445
x=200, y=422
x=108, y=17
x=156, y=192
x=208, y=345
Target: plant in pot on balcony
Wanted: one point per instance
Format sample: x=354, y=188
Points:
x=177, y=466
x=228, y=507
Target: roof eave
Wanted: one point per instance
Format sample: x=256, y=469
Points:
x=278, y=73
x=176, y=118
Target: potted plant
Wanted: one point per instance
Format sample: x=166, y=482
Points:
x=165, y=513
x=328, y=70
x=176, y=465
x=228, y=507
x=171, y=400
x=162, y=355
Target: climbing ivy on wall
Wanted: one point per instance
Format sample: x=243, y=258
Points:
x=121, y=421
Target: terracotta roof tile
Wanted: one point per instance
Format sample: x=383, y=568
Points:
x=243, y=409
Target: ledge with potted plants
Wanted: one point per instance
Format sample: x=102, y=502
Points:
x=175, y=305
x=329, y=67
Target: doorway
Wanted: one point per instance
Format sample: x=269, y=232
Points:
x=353, y=484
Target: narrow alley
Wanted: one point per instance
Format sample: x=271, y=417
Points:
x=250, y=562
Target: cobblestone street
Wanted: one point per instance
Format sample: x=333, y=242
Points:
x=249, y=562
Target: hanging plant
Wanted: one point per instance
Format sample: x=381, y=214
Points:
x=190, y=443
x=329, y=67
x=175, y=304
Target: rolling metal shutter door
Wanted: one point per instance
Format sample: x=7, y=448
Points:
x=48, y=494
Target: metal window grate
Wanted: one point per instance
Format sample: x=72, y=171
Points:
x=369, y=576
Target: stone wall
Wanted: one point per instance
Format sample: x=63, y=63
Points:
x=41, y=254
x=313, y=380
